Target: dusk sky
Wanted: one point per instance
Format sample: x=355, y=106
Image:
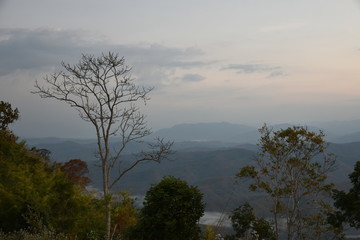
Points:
x=239, y=61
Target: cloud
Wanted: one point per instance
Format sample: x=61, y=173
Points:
x=251, y=68
x=275, y=71
x=276, y=74
x=44, y=49
x=25, y=49
x=192, y=78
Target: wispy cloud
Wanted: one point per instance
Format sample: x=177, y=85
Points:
x=42, y=49
x=272, y=71
x=276, y=74
x=192, y=78
x=251, y=68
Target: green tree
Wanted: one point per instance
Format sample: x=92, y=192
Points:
x=246, y=224
x=125, y=214
x=7, y=114
x=291, y=168
x=171, y=210
x=36, y=194
x=209, y=233
x=348, y=203
x=38, y=197
x=105, y=95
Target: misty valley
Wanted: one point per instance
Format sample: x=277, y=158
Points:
x=207, y=155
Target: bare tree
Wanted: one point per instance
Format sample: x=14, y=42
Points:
x=104, y=93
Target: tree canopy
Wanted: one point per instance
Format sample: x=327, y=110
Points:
x=36, y=194
x=291, y=168
x=33, y=190
x=246, y=224
x=7, y=114
x=348, y=203
x=171, y=210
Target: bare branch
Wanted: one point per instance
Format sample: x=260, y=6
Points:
x=158, y=151
x=103, y=92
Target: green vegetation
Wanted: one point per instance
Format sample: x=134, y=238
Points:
x=171, y=210
x=7, y=115
x=291, y=169
x=247, y=225
x=37, y=195
x=348, y=203
x=40, y=198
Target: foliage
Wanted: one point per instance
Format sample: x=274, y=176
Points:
x=26, y=235
x=246, y=224
x=37, y=195
x=105, y=95
x=171, y=210
x=7, y=115
x=348, y=204
x=76, y=170
x=291, y=168
x=125, y=215
x=209, y=234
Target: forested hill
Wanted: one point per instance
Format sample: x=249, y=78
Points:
x=209, y=165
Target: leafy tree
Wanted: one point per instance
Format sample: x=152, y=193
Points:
x=246, y=224
x=291, y=168
x=76, y=170
x=37, y=198
x=171, y=210
x=36, y=195
x=348, y=203
x=125, y=215
x=25, y=184
x=209, y=234
x=105, y=95
x=7, y=114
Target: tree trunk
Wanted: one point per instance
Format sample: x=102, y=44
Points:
x=108, y=221
x=107, y=199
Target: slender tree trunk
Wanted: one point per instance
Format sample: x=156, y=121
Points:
x=108, y=221
x=276, y=221
x=107, y=202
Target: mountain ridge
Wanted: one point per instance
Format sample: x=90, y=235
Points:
x=209, y=164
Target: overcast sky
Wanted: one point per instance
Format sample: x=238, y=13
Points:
x=240, y=61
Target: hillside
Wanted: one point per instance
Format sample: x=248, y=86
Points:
x=211, y=165
x=212, y=171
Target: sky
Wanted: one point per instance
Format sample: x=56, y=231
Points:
x=240, y=61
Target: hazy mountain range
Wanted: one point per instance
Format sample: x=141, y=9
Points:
x=208, y=155
x=336, y=131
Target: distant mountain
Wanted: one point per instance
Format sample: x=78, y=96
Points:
x=212, y=171
x=62, y=151
x=337, y=132
x=54, y=140
x=211, y=165
x=347, y=138
x=225, y=132
x=339, y=128
x=192, y=137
